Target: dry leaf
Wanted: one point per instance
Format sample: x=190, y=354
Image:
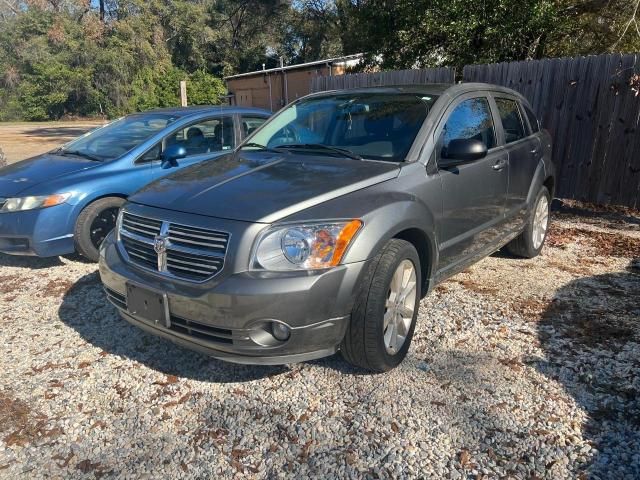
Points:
x=465, y=457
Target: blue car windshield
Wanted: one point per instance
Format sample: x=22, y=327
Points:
x=377, y=126
x=117, y=138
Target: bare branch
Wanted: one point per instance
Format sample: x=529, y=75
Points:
x=13, y=8
x=632, y=21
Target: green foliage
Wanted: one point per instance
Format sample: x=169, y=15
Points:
x=69, y=57
x=60, y=58
x=412, y=33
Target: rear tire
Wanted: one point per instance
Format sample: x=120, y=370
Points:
x=385, y=306
x=94, y=224
x=530, y=242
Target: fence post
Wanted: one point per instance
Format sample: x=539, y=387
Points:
x=183, y=93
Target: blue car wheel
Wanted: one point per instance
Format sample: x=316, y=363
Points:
x=94, y=224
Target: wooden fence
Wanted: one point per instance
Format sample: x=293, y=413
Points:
x=591, y=106
x=378, y=79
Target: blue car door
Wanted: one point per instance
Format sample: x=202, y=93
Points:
x=204, y=139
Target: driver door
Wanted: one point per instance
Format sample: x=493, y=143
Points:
x=473, y=193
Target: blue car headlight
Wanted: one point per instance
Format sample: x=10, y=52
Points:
x=20, y=204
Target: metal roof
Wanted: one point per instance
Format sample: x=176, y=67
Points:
x=356, y=56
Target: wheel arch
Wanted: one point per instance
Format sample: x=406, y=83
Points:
x=425, y=247
x=89, y=199
x=550, y=183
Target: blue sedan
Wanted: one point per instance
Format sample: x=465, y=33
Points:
x=67, y=200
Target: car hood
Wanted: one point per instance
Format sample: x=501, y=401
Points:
x=262, y=186
x=20, y=176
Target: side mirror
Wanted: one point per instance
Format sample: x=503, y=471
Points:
x=172, y=154
x=462, y=150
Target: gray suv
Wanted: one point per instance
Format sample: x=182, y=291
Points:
x=322, y=232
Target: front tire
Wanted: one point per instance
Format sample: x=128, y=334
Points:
x=384, y=315
x=94, y=224
x=530, y=242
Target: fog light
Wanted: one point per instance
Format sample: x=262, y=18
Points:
x=281, y=331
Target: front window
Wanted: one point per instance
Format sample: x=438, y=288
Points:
x=378, y=126
x=471, y=119
x=117, y=138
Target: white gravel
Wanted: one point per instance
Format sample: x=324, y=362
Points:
x=519, y=369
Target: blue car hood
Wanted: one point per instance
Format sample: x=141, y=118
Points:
x=260, y=186
x=20, y=176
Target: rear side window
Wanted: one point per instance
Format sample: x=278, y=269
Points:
x=533, y=121
x=471, y=119
x=207, y=136
x=511, y=120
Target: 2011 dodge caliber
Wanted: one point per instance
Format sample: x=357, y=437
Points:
x=322, y=232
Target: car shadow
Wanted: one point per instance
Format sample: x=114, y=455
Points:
x=34, y=263
x=86, y=309
x=591, y=336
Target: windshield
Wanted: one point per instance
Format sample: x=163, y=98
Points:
x=117, y=138
x=378, y=126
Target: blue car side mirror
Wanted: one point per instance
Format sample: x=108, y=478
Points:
x=171, y=155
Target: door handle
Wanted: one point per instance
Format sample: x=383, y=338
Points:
x=534, y=151
x=499, y=165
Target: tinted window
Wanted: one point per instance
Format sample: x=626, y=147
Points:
x=205, y=137
x=511, y=120
x=471, y=119
x=117, y=138
x=380, y=126
x=251, y=124
x=533, y=121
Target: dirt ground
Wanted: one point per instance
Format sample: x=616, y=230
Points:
x=22, y=140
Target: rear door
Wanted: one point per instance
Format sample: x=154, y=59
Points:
x=474, y=193
x=524, y=153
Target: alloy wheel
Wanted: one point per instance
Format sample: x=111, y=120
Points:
x=400, y=307
x=540, y=222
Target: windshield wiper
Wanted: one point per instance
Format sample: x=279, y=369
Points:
x=259, y=147
x=78, y=153
x=318, y=146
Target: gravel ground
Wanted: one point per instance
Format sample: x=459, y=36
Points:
x=519, y=369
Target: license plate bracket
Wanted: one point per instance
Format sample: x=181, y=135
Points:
x=148, y=305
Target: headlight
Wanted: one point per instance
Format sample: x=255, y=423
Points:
x=30, y=203
x=304, y=247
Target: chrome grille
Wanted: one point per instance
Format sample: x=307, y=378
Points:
x=197, y=237
x=145, y=227
x=173, y=249
x=140, y=252
x=192, y=265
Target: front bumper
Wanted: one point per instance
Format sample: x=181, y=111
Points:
x=44, y=232
x=220, y=317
